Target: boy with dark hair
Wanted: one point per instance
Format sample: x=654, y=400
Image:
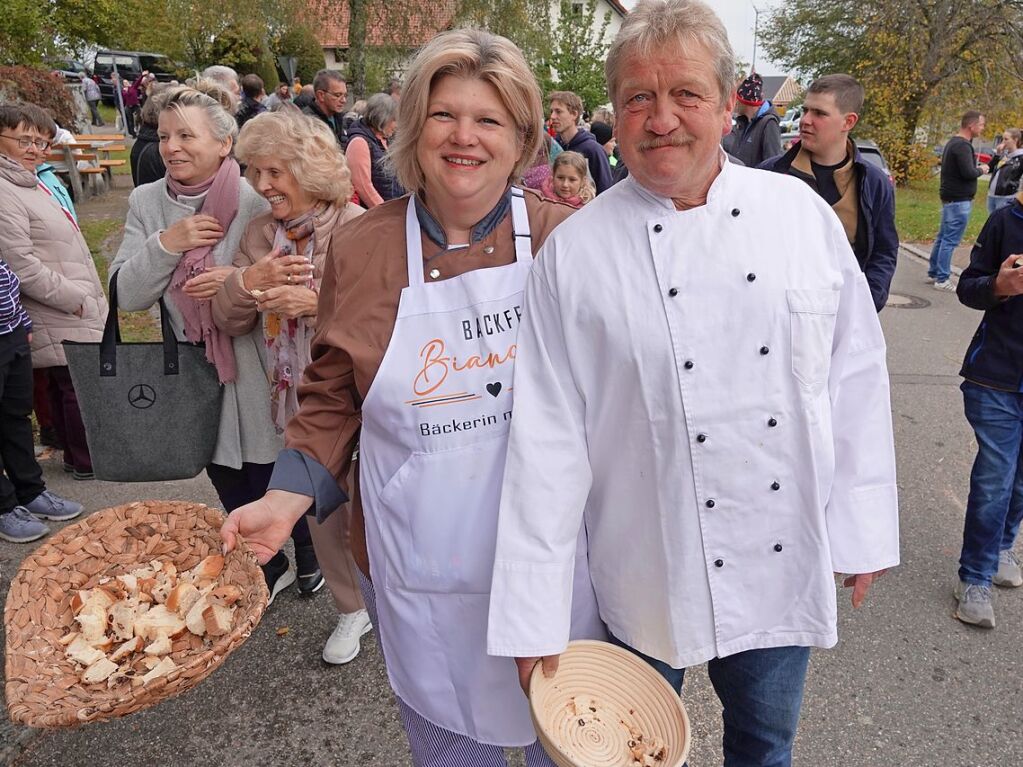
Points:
x=859, y=192
x=252, y=99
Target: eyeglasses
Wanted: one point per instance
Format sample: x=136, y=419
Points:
x=341, y=95
x=25, y=143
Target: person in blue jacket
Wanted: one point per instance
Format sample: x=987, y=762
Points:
x=993, y=400
x=566, y=107
x=860, y=193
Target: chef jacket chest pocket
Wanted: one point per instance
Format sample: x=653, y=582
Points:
x=812, y=315
x=441, y=509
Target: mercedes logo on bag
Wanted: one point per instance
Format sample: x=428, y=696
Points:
x=141, y=396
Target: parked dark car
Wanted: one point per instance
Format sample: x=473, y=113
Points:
x=70, y=69
x=130, y=64
x=870, y=152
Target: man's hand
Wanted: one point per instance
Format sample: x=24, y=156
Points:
x=984, y=168
x=1009, y=280
x=860, y=585
x=264, y=524
x=550, y=668
x=204, y=286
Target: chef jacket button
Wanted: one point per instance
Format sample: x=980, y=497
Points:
x=777, y=547
x=776, y=486
x=658, y=228
x=688, y=365
x=701, y=437
x=673, y=292
x=772, y=422
x=735, y=212
x=434, y=273
x=764, y=350
x=489, y=249
x=719, y=563
x=750, y=277
x=710, y=503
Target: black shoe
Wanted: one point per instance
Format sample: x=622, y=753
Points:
x=310, y=579
x=82, y=476
x=48, y=437
x=278, y=575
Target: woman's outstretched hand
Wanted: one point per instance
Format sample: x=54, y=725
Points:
x=264, y=524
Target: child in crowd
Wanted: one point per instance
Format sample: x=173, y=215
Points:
x=570, y=182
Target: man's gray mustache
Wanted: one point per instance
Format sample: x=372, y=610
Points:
x=676, y=140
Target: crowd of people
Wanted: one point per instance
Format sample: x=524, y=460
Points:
x=373, y=281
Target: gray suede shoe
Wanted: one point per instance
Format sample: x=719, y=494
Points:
x=48, y=505
x=1009, y=574
x=974, y=605
x=19, y=526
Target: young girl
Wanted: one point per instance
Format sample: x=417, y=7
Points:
x=570, y=182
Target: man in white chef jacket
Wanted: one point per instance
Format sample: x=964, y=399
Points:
x=718, y=414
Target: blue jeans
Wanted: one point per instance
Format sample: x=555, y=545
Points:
x=994, y=203
x=954, y=216
x=995, y=506
x=761, y=692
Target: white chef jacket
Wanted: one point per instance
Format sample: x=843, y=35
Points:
x=708, y=390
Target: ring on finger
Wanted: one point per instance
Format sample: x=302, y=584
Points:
x=289, y=278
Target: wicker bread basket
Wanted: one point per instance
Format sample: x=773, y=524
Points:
x=43, y=687
x=602, y=697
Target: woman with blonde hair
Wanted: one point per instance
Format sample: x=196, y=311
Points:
x=180, y=237
x=292, y=161
x=413, y=359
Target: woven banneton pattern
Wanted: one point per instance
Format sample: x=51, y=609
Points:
x=626, y=693
x=44, y=687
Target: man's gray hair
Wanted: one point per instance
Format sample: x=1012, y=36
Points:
x=323, y=79
x=654, y=25
x=381, y=108
x=221, y=75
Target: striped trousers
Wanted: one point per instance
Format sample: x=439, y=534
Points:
x=433, y=746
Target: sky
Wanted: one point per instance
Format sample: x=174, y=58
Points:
x=739, y=17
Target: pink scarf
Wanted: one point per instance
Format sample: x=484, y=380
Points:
x=222, y=191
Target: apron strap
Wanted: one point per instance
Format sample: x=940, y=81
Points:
x=413, y=245
x=520, y=225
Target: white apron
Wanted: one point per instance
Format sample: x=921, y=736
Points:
x=434, y=436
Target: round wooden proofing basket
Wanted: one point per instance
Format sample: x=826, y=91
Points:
x=626, y=693
x=44, y=687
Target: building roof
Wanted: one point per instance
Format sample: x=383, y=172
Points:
x=388, y=24
x=781, y=89
x=618, y=7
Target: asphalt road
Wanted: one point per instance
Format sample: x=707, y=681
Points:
x=907, y=685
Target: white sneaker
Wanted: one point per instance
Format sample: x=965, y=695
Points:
x=343, y=644
x=1010, y=574
x=944, y=285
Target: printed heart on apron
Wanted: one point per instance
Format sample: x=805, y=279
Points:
x=494, y=388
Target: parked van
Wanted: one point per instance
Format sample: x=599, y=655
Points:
x=130, y=64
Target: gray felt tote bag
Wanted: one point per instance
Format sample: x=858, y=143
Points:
x=151, y=410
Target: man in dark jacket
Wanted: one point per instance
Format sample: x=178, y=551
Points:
x=860, y=193
x=959, y=174
x=565, y=110
x=756, y=135
x=253, y=95
x=331, y=94
x=993, y=399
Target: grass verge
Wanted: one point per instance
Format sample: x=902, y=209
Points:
x=918, y=211
x=135, y=326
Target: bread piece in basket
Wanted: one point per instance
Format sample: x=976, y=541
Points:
x=44, y=687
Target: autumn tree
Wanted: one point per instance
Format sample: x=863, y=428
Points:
x=908, y=54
